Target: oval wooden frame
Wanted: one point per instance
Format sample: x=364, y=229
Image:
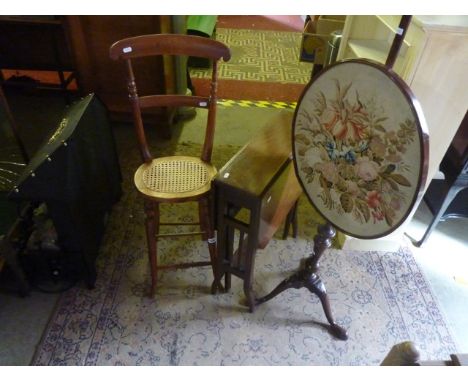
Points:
x=423, y=136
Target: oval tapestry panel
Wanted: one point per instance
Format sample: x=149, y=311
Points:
x=360, y=147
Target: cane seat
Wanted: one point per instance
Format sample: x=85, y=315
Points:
x=176, y=177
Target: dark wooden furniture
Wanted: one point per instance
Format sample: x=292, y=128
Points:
x=77, y=47
x=90, y=38
x=37, y=43
x=259, y=181
x=332, y=144
x=307, y=277
x=178, y=178
x=448, y=198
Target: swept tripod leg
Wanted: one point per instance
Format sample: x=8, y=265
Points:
x=317, y=287
x=293, y=281
x=306, y=277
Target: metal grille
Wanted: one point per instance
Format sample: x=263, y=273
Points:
x=175, y=175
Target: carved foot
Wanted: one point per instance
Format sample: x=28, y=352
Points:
x=338, y=332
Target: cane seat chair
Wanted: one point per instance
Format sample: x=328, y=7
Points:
x=173, y=179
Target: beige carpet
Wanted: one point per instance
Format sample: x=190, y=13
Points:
x=381, y=298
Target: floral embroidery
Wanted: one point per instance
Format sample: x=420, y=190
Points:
x=360, y=168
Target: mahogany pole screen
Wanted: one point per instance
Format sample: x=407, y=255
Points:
x=360, y=152
x=360, y=147
x=405, y=22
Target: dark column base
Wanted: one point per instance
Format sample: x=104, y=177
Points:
x=307, y=277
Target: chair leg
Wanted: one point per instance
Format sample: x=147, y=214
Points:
x=207, y=226
x=202, y=216
x=152, y=228
x=451, y=194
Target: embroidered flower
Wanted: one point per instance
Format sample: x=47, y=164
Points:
x=328, y=171
x=395, y=204
x=366, y=170
x=373, y=199
x=394, y=158
x=377, y=215
x=352, y=188
x=377, y=146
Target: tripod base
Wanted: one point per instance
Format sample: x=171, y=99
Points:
x=307, y=277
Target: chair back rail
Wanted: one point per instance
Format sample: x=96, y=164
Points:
x=178, y=45
x=170, y=44
x=173, y=100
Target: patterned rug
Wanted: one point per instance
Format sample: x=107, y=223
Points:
x=269, y=56
x=381, y=298
x=264, y=65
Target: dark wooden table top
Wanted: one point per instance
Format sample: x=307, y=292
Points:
x=253, y=167
x=264, y=170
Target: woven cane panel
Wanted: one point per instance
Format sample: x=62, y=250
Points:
x=174, y=176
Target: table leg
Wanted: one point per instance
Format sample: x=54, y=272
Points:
x=291, y=220
x=307, y=277
x=225, y=237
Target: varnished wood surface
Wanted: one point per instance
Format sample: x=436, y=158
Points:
x=172, y=100
x=307, y=277
x=254, y=166
x=158, y=44
x=398, y=41
x=260, y=178
x=277, y=203
x=263, y=169
x=90, y=39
